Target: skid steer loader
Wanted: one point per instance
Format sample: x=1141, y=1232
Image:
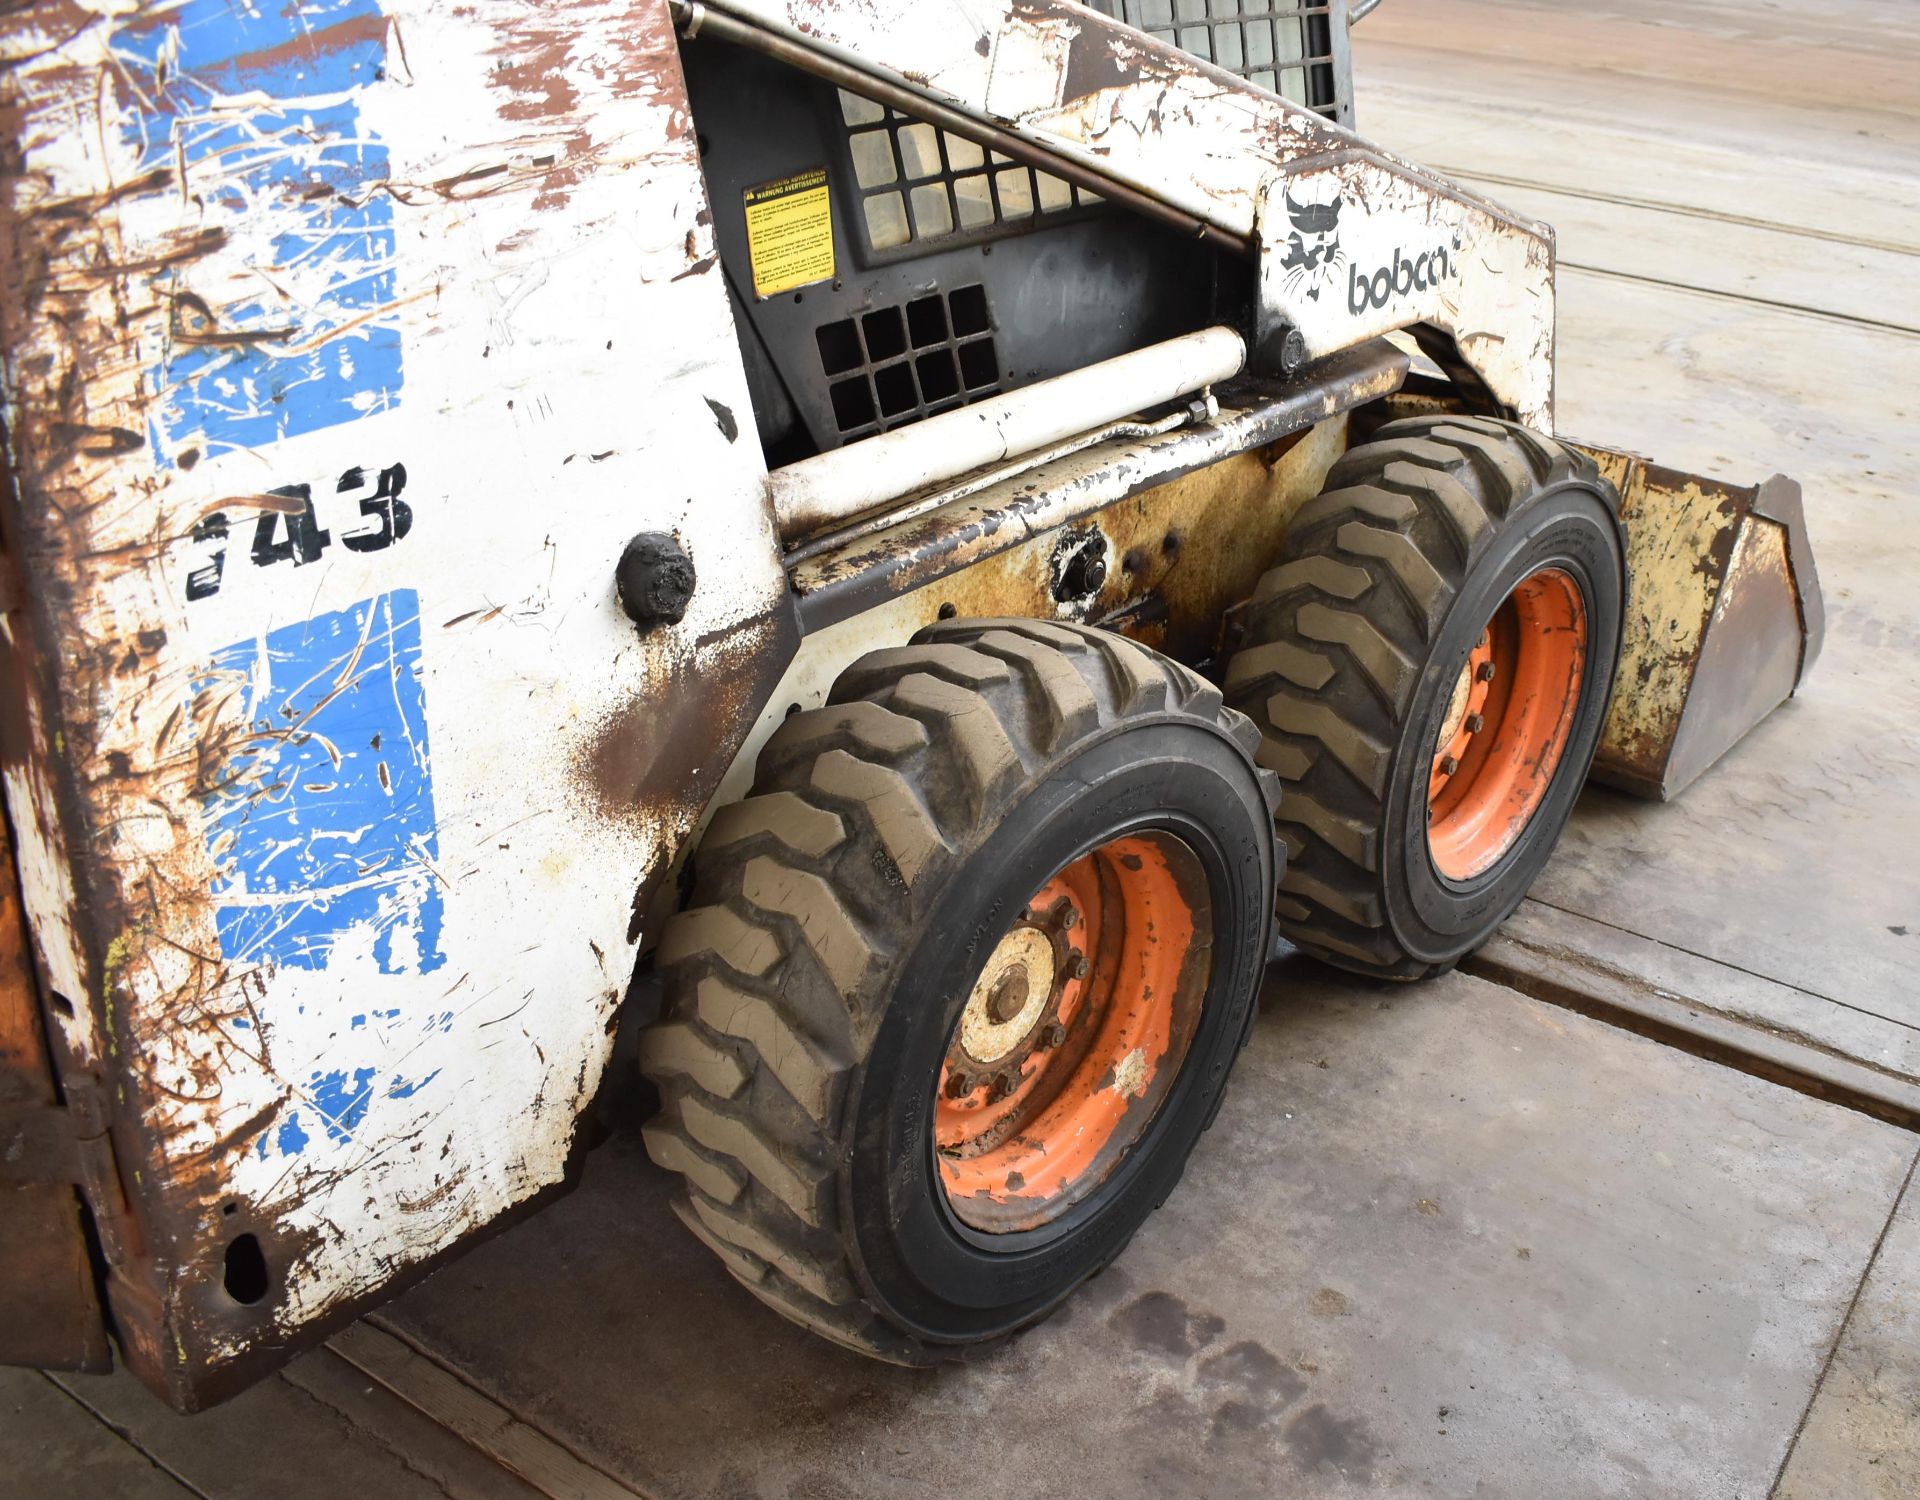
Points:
x=880, y=545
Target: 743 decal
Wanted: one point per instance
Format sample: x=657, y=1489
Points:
x=292, y=532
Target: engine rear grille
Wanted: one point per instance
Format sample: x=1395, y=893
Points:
x=1295, y=48
x=920, y=183
x=896, y=364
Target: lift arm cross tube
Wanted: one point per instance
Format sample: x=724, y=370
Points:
x=861, y=477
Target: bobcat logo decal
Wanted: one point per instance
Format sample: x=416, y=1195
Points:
x=1313, y=245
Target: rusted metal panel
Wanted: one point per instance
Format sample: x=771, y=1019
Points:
x=345, y=347
x=1722, y=620
x=49, y=1309
x=1352, y=241
x=1161, y=564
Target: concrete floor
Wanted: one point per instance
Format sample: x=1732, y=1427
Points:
x=1448, y=1241
x=1441, y=1241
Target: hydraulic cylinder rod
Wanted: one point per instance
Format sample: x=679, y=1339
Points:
x=848, y=482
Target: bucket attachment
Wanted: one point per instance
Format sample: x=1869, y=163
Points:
x=1723, y=620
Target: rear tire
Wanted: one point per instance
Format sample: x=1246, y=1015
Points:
x=1440, y=545
x=845, y=919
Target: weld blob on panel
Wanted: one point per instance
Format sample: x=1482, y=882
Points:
x=322, y=826
x=261, y=105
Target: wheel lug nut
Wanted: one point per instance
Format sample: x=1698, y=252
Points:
x=1475, y=723
x=1069, y=919
x=1056, y=1034
x=1448, y=765
x=959, y=1085
x=1485, y=673
x=1077, y=966
x=1003, y=1085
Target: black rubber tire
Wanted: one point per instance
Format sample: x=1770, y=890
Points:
x=1351, y=647
x=839, y=916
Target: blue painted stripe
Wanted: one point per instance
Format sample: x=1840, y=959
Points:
x=322, y=826
x=319, y=346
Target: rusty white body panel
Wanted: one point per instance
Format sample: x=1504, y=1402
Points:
x=1353, y=242
x=319, y=500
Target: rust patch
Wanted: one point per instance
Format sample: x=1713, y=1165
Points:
x=361, y=28
x=534, y=72
x=440, y=1194
x=49, y=1310
x=1182, y=552
x=654, y=762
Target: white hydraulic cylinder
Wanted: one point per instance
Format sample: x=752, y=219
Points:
x=864, y=476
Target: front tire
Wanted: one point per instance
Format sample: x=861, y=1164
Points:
x=1429, y=663
x=962, y=981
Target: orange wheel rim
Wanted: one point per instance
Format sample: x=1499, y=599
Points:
x=1073, y=1033
x=1506, y=725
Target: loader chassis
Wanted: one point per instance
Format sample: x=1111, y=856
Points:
x=345, y=354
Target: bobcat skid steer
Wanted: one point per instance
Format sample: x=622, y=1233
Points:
x=881, y=545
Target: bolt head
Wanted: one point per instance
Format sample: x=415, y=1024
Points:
x=1475, y=723
x=1485, y=674
x=1289, y=350
x=1079, y=566
x=1078, y=966
x=959, y=1084
x=1056, y=1034
x=654, y=579
x=1069, y=919
x=1448, y=765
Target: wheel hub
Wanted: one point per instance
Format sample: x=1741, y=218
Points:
x=1465, y=717
x=1014, y=1007
x=1506, y=725
x=1015, y=992
x=1072, y=1033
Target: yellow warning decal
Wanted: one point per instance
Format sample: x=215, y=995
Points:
x=790, y=232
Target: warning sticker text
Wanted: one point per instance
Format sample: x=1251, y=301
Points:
x=790, y=232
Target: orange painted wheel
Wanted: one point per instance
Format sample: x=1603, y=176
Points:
x=960, y=984
x=1430, y=661
x=1507, y=725
x=1073, y=1033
